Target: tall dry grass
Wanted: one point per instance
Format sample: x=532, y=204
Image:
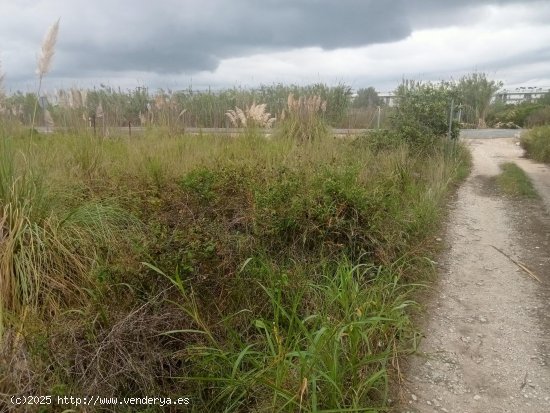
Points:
x=3, y=108
x=303, y=118
x=49, y=244
x=2, y=75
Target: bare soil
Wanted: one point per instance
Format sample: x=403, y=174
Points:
x=487, y=323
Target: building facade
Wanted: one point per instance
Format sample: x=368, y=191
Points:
x=520, y=95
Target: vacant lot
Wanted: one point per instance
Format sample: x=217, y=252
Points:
x=246, y=273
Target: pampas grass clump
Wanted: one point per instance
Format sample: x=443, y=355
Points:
x=303, y=119
x=253, y=116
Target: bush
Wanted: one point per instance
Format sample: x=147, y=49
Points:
x=539, y=117
x=536, y=143
x=422, y=114
x=517, y=114
x=380, y=140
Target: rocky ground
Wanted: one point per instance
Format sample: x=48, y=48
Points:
x=487, y=323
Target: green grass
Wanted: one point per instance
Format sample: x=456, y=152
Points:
x=252, y=274
x=536, y=143
x=514, y=181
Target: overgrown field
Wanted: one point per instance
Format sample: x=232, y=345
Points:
x=248, y=273
x=536, y=143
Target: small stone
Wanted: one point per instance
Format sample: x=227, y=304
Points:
x=429, y=403
x=413, y=396
x=477, y=397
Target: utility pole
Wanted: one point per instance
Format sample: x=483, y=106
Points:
x=451, y=119
x=378, y=120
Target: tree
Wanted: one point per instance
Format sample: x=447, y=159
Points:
x=422, y=112
x=366, y=97
x=545, y=99
x=475, y=92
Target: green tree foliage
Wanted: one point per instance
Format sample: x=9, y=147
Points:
x=475, y=92
x=422, y=112
x=366, y=98
x=545, y=99
x=526, y=114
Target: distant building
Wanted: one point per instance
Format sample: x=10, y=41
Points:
x=520, y=94
x=387, y=98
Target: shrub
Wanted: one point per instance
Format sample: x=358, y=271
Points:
x=538, y=117
x=536, y=143
x=422, y=113
x=517, y=114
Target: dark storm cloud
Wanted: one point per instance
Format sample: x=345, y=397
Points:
x=188, y=36
x=163, y=38
x=156, y=39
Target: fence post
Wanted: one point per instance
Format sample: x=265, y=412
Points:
x=451, y=119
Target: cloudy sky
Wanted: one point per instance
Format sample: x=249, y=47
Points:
x=216, y=43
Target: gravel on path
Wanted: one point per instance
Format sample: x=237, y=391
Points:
x=487, y=327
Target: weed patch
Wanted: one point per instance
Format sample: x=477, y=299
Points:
x=536, y=143
x=253, y=274
x=514, y=181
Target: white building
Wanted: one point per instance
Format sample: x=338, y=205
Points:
x=387, y=98
x=521, y=94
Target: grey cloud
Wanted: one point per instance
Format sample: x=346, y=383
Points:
x=185, y=37
x=172, y=43
x=169, y=37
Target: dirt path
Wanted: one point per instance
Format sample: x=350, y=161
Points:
x=487, y=345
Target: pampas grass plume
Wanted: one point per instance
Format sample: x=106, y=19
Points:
x=44, y=63
x=48, y=50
